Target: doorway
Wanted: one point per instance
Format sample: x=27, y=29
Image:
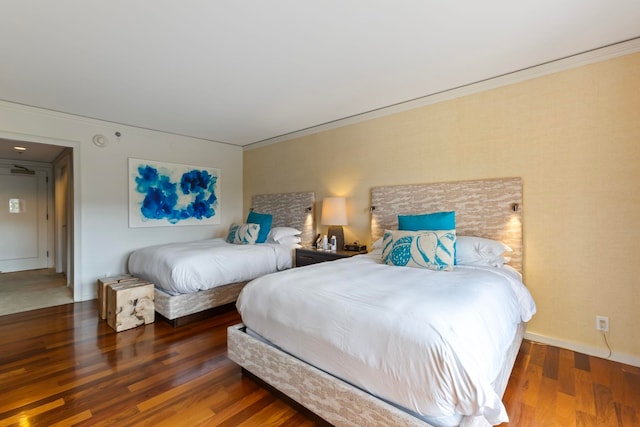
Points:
x=23, y=217
x=37, y=206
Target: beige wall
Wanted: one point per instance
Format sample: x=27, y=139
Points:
x=574, y=138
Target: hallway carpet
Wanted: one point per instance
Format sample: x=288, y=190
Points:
x=27, y=290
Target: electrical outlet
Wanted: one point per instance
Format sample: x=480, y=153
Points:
x=602, y=323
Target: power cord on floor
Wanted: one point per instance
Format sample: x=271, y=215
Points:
x=606, y=341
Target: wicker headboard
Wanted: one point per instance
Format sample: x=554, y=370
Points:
x=484, y=208
x=289, y=210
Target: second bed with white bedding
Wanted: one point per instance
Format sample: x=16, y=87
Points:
x=368, y=323
x=187, y=267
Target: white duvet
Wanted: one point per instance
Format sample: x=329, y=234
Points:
x=431, y=342
x=187, y=267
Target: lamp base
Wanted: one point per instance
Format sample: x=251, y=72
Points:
x=336, y=230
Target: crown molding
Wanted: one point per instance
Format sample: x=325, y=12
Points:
x=573, y=61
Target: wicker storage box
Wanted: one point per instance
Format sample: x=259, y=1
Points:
x=130, y=304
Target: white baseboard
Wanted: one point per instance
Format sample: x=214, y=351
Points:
x=601, y=352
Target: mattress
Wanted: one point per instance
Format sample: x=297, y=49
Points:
x=188, y=267
x=429, y=342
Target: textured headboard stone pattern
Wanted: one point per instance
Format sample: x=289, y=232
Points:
x=484, y=208
x=295, y=210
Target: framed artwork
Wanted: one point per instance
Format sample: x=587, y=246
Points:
x=169, y=194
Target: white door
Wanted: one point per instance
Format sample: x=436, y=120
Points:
x=23, y=220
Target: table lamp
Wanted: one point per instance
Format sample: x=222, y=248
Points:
x=334, y=214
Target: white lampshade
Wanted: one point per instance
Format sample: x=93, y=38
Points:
x=334, y=211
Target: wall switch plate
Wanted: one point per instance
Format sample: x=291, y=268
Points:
x=602, y=323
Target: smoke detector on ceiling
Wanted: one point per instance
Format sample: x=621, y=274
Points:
x=100, y=140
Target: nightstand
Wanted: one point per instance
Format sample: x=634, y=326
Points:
x=308, y=256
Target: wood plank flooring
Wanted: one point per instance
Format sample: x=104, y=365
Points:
x=551, y=386
x=62, y=366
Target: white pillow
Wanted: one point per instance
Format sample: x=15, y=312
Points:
x=243, y=234
x=377, y=244
x=277, y=233
x=471, y=250
x=289, y=240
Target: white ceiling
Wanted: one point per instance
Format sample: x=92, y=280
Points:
x=242, y=72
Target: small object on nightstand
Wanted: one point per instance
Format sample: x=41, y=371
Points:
x=307, y=256
x=355, y=246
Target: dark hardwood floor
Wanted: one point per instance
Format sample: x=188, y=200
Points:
x=551, y=386
x=63, y=366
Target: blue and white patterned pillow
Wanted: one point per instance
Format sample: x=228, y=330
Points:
x=243, y=234
x=431, y=249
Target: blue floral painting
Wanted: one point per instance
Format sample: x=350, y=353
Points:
x=172, y=194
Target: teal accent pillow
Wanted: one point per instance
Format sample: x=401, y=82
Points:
x=243, y=234
x=429, y=221
x=432, y=249
x=264, y=220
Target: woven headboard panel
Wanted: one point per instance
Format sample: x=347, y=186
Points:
x=290, y=210
x=483, y=208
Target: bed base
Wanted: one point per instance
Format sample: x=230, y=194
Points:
x=205, y=314
x=334, y=400
x=317, y=420
x=181, y=309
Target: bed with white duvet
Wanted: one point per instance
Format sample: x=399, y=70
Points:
x=423, y=332
x=430, y=342
x=193, y=279
x=188, y=267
